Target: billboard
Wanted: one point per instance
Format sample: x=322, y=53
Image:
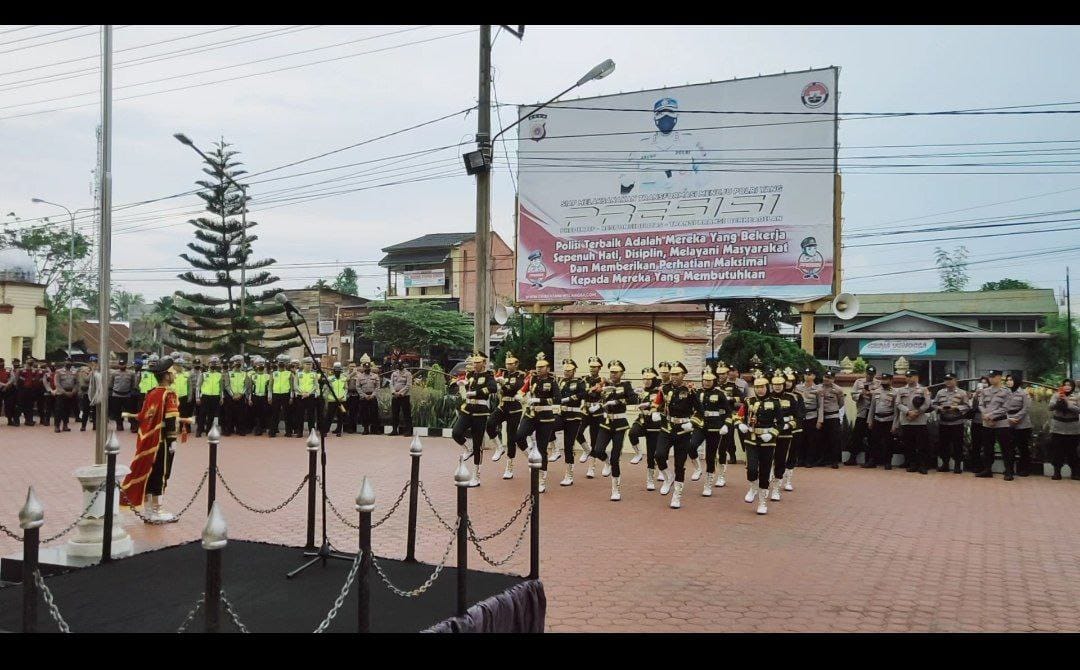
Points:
x=720, y=190
x=419, y=278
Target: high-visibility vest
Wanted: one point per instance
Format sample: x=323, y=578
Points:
x=181, y=385
x=238, y=382
x=306, y=382
x=211, y=384
x=282, y=381
x=260, y=380
x=147, y=381
x=339, y=385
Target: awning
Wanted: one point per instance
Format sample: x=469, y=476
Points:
x=988, y=335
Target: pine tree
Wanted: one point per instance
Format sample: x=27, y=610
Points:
x=213, y=325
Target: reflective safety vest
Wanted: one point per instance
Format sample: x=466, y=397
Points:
x=339, y=385
x=282, y=381
x=181, y=385
x=305, y=381
x=147, y=381
x=238, y=382
x=211, y=384
x=260, y=380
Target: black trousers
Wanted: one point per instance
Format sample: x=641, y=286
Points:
x=797, y=451
x=951, y=443
x=727, y=444
x=134, y=406
x=614, y=434
x=712, y=448
x=916, y=441
x=87, y=412
x=63, y=407
x=881, y=441
x=811, y=447
x=305, y=414
x=759, y=459
x=369, y=415
x=187, y=407
x=1063, y=450
x=1021, y=442
x=979, y=435
x=279, y=412
x=857, y=443
x=260, y=414
x=829, y=439
x=159, y=474
x=352, y=405
x=1002, y=436
x=230, y=415
x=512, y=419
x=472, y=426
x=780, y=455
x=117, y=404
x=572, y=429
x=661, y=448
x=209, y=409
x=9, y=400
x=27, y=402
x=332, y=413
x=46, y=404
x=681, y=442
x=591, y=424
x=400, y=409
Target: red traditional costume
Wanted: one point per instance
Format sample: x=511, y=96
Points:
x=158, y=424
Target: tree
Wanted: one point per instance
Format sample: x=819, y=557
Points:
x=147, y=331
x=1005, y=285
x=773, y=351
x=760, y=314
x=208, y=324
x=124, y=303
x=528, y=337
x=345, y=282
x=320, y=284
x=1050, y=356
x=423, y=327
x=952, y=269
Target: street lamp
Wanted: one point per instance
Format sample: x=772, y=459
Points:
x=184, y=139
x=71, y=261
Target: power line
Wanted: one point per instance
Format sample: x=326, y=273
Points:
x=39, y=36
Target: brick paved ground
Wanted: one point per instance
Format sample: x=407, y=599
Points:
x=848, y=550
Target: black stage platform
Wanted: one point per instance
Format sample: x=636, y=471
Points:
x=154, y=591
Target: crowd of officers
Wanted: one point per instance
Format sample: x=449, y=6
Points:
x=781, y=420
x=255, y=399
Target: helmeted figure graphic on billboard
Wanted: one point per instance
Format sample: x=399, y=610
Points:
x=668, y=160
x=536, y=272
x=810, y=260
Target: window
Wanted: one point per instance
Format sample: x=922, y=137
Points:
x=1010, y=325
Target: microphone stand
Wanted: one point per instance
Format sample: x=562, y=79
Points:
x=326, y=550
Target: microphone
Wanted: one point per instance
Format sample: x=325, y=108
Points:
x=290, y=309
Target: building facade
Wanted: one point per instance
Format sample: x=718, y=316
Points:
x=22, y=307
x=333, y=318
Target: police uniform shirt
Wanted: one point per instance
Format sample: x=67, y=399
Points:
x=509, y=385
x=951, y=406
x=831, y=401
x=181, y=385
x=905, y=396
x=572, y=394
x=282, y=382
x=65, y=380
x=713, y=407
x=615, y=397
x=482, y=386
x=862, y=391
x=765, y=412
x=1065, y=414
x=209, y=384
x=883, y=405
x=592, y=398
x=994, y=409
x=546, y=392
x=123, y=382
x=237, y=377
x=1018, y=406
x=811, y=397
x=401, y=380
x=367, y=383
x=679, y=405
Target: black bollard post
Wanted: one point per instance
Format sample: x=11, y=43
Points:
x=31, y=518
x=112, y=448
x=461, y=480
x=535, y=463
x=213, y=437
x=313, y=464
x=415, y=450
x=214, y=538
x=365, y=504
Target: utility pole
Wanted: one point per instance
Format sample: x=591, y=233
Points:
x=482, y=316
x=104, y=251
x=1068, y=322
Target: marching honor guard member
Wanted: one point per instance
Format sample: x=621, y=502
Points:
x=710, y=426
x=208, y=396
x=951, y=405
x=796, y=452
x=234, y=400
x=912, y=408
x=571, y=418
x=789, y=407
x=738, y=392
x=159, y=425
x=764, y=418
x=401, y=381
x=1065, y=429
x=282, y=389
x=614, y=397
x=540, y=395
x=882, y=412
x=828, y=424
x=593, y=411
x=678, y=405
x=810, y=393
x=647, y=425
x=862, y=391
x=479, y=387
x=509, y=412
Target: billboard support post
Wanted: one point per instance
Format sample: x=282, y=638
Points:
x=482, y=313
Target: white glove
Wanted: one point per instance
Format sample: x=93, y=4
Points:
x=766, y=437
x=611, y=403
x=533, y=401
x=743, y=428
x=656, y=416
x=688, y=426
x=470, y=394
x=594, y=407
x=724, y=430
x=172, y=448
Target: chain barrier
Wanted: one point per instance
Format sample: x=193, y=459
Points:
x=79, y=518
x=191, y=614
x=517, y=545
x=231, y=613
x=269, y=510
x=430, y=580
x=434, y=511
x=15, y=536
x=176, y=517
x=376, y=524
x=54, y=612
x=527, y=502
x=341, y=596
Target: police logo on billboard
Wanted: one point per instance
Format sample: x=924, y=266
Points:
x=815, y=95
x=538, y=127
x=810, y=261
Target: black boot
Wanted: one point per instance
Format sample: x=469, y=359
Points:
x=1057, y=473
x=852, y=460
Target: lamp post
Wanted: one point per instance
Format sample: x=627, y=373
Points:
x=183, y=139
x=479, y=163
x=71, y=253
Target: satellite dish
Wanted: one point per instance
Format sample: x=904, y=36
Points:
x=845, y=306
x=502, y=314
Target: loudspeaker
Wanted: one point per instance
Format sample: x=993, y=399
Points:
x=845, y=306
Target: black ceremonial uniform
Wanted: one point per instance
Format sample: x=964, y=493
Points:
x=571, y=418
x=509, y=410
x=713, y=413
x=679, y=404
x=473, y=414
x=594, y=410
x=542, y=401
x=613, y=399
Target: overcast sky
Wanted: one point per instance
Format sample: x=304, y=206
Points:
x=413, y=74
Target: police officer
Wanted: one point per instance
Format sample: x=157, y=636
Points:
x=861, y=391
x=307, y=382
x=738, y=392
x=996, y=421
x=65, y=389
x=763, y=421
x=208, y=396
x=183, y=388
x=83, y=376
x=790, y=407
x=295, y=422
x=401, y=381
x=810, y=392
x=830, y=406
x=912, y=409
x=234, y=398
x=333, y=396
x=615, y=395
x=261, y=396
x=1018, y=409
x=571, y=417
x=882, y=413
x=645, y=426
x=8, y=392
x=677, y=405
x=352, y=400
x=509, y=412
x=367, y=383
x=541, y=396
x=123, y=385
x=146, y=382
x=668, y=160
x=952, y=405
x=710, y=421
x=478, y=388
x=978, y=430
x=282, y=389
x=1065, y=429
